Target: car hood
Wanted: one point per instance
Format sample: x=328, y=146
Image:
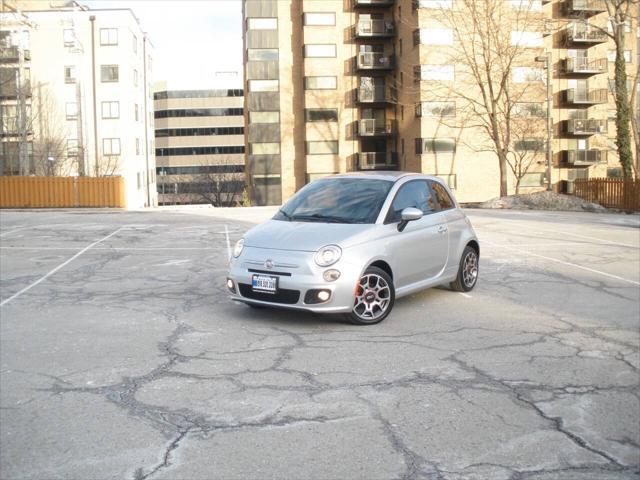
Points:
x=305, y=236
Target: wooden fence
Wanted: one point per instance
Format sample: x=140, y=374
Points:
x=61, y=192
x=610, y=192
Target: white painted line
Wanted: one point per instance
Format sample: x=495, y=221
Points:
x=611, y=242
x=574, y=265
x=465, y=295
x=42, y=279
x=226, y=232
x=12, y=231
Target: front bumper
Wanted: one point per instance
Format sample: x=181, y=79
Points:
x=297, y=274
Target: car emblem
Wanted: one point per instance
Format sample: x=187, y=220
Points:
x=268, y=264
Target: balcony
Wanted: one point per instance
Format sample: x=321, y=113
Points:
x=586, y=97
x=586, y=7
x=375, y=29
x=374, y=3
x=376, y=94
x=585, y=126
x=585, y=66
x=377, y=161
x=584, y=158
x=583, y=34
x=12, y=55
x=370, y=127
x=375, y=61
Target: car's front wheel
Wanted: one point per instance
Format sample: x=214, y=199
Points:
x=467, y=271
x=374, y=297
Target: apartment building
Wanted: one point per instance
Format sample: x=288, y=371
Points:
x=76, y=94
x=343, y=85
x=199, y=146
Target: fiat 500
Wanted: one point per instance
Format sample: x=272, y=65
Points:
x=353, y=243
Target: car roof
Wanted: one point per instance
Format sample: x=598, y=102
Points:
x=390, y=175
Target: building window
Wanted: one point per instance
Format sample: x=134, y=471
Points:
x=136, y=112
x=615, y=172
x=108, y=36
x=72, y=147
x=435, y=145
x=71, y=109
x=528, y=109
x=320, y=50
x=135, y=77
x=611, y=55
x=436, y=4
x=137, y=146
x=135, y=44
x=110, y=110
x=109, y=73
x=264, y=148
x=321, y=115
x=262, y=54
x=325, y=147
x=70, y=74
x=529, y=145
x=319, y=19
x=436, y=109
x=436, y=72
x=527, y=39
x=198, y=112
x=264, y=117
x=263, y=85
x=532, y=180
x=69, y=37
x=262, y=23
x=527, y=74
x=111, y=146
x=320, y=83
x=433, y=36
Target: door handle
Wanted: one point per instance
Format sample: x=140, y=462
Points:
x=442, y=228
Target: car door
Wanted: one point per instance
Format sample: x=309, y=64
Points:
x=420, y=251
x=454, y=218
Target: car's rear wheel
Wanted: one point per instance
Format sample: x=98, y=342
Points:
x=374, y=297
x=467, y=271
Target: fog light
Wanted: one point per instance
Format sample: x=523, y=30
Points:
x=331, y=275
x=231, y=285
x=323, y=295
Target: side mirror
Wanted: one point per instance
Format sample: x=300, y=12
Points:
x=409, y=215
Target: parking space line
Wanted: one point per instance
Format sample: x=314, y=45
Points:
x=574, y=265
x=42, y=279
x=13, y=231
x=124, y=249
x=602, y=240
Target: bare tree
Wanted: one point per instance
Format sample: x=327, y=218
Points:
x=494, y=38
x=49, y=135
x=528, y=146
x=106, y=165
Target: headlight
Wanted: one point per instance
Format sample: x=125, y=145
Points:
x=237, y=250
x=328, y=255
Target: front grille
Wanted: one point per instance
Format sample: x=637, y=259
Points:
x=289, y=297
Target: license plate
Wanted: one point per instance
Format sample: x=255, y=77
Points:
x=264, y=283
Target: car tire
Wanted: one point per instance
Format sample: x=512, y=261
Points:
x=467, y=271
x=374, y=298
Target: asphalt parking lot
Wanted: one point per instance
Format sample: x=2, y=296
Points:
x=122, y=358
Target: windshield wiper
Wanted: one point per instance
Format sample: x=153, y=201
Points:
x=285, y=214
x=318, y=217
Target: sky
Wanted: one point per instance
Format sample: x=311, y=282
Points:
x=192, y=39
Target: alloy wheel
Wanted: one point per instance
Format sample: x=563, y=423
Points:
x=470, y=269
x=373, y=297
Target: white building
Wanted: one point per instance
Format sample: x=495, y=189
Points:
x=86, y=78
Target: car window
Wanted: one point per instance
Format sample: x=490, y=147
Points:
x=444, y=199
x=412, y=194
x=337, y=200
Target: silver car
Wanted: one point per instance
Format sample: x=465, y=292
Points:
x=353, y=243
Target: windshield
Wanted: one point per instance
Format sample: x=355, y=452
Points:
x=337, y=200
